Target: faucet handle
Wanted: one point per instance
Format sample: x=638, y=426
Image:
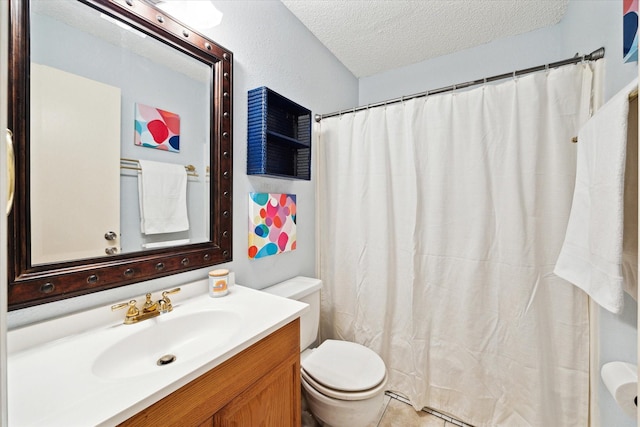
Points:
x=172, y=291
x=132, y=312
x=165, y=302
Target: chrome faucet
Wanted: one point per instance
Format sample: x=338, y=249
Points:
x=149, y=310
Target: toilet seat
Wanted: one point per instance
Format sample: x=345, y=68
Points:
x=342, y=395
x=344, y=370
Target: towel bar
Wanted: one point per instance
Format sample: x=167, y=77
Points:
x=191, y=170
x=632, y=97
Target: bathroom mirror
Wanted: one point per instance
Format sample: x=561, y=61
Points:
x=98, y=88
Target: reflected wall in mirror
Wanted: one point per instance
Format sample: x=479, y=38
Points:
x=122, y=120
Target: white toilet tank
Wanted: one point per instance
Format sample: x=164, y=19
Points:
x=306, y=290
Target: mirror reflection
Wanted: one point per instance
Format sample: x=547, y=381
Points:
x=119, y=138
x=109, y=101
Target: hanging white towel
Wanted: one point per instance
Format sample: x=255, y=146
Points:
x=162, y=191
x=592, y=254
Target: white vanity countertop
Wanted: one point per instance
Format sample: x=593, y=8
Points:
x=53, y=381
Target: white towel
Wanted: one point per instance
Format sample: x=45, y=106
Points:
x=592, y=254
x=162, y=191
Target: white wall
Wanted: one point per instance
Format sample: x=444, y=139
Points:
x=501, y=56
x=271, y=48
x=587, y=25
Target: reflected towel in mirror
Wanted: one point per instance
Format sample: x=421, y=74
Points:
x=162, y=189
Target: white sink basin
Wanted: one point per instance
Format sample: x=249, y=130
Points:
x=165, y=342
x=89, y=368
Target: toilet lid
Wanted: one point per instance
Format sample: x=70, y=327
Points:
x=346, y=366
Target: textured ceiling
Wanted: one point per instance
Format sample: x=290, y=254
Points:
x=372, y=36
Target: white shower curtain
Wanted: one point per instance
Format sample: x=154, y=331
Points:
x=439, y=222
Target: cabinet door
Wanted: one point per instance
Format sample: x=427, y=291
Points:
x=273, y=401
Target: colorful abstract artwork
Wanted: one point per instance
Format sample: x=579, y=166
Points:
x=272, y=224
x=156, y=128
x=630, y=30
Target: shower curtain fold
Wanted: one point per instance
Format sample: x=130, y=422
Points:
x=439, y=223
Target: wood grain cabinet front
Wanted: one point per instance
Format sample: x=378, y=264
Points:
x=258, y=387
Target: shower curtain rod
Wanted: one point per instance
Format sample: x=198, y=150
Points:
x=593, y=56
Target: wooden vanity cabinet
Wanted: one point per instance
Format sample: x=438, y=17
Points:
x=258, y=387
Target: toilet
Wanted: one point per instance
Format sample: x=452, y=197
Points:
x=343, y=382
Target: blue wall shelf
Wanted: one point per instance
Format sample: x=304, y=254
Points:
x=278, y=136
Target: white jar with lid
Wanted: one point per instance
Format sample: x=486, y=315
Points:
x=218, y=283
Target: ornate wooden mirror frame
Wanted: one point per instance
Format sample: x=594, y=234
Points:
x=37, y=284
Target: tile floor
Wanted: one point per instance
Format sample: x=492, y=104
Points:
x=395, y=412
